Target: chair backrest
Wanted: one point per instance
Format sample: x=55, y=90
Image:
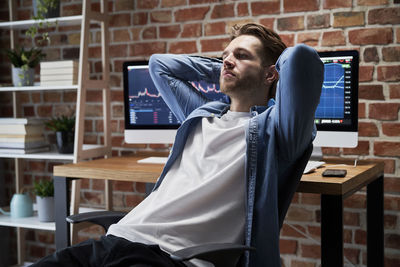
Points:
x=289, y=181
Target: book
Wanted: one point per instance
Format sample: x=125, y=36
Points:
x=26, y=129
x=24, y=145
x=12, y=121
x=59, y=64
x=23, y=151
x=20, y=138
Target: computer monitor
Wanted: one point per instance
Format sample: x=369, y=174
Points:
x=148, y=120
x=336, y=116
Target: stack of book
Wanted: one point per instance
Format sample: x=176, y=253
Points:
x=63, y=72
x=22, y=136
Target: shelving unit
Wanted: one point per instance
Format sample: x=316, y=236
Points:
x=81, y=151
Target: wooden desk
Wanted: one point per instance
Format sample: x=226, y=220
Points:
x=333, y=191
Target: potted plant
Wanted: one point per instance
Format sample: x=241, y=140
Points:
x=64, y=127
x=44, y=190
x=24, y=63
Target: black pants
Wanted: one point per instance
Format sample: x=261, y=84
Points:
x=109, y=251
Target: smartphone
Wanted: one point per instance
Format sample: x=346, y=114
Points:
x=334, y=173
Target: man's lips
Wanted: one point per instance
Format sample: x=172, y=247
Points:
x=227, y=73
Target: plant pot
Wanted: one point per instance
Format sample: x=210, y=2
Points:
x=23, y=77
x=65, y=142
x=45, y=206
x=51, y=12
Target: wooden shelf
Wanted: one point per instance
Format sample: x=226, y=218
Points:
x=25, y=24
x=37, y=88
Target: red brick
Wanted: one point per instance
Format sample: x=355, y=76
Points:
x=356, y=201
x=120, y=20
x=192, y=30
x=391, y=54
x=242, y=9
x=383, y=148
x=371, y=92
x=392, y=241
x=331, y=4
x=352, y=255
x=384, y=111
x=118, y=50
x=371, y=54
x=368, y=129
x=390, y=221
x=334, y=38
x=330, y=151
x=117, y=141
x=371, y=2
x=291, y=23
x=371, y=36
x=124, y=5
x=310, y=199
x=296, y=6
x=391, y=203
x=296, y=213
x=389, y=73
x=392, y=185
x=348, y=19
x=133, y=200
x=147, y=4
x=310, y=251
x=123, y=186
x=161, y=16
x=171, y=31
x=351, y=218
x=391, y=129
x=216, y=28
x=288, y=39
x=298, y=263
x=44, y=110
x=210, y=45
x=290, y=232
x=362, y=148
x=398, y=35
x=318, y=21
x=121, y=36
x=268, y=22
x=263, y=8
x=188, y=14
x=392, y=260
x=93, y=197
x=149, y=33
x=394, y=91
x=287, y=246
x=309, y=38
x=365, y=73
x=147, y=49
x=223, y=11
x=188, y=47
x=97, y=184
x=140, y=18
x=172, y=3
x=384, y=16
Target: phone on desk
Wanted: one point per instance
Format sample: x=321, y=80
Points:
x=334, y=173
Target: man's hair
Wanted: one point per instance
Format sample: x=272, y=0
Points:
x=272, y=43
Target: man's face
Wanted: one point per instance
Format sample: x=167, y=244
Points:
x=242, y=70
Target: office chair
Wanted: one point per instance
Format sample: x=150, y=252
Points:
x=221, y=255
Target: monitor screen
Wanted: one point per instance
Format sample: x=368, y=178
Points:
x=336, y=116
x=147, y=117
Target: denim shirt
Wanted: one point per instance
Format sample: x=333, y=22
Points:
x=276, y=135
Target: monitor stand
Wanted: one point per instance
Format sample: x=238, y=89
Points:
x=316, y=154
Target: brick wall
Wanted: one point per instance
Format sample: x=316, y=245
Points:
x=143, y=27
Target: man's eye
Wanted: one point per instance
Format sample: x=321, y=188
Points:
x=241, y=56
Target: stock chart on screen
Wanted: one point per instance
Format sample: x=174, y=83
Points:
x=335, y=101
x=146, y=106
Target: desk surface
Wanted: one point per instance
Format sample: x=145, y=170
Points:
x=127, y=169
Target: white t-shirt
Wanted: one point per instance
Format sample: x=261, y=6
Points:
x=202, y=197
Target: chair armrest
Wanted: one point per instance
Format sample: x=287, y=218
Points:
x=221, y=255
x=102, y=218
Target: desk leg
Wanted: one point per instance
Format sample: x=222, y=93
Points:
x=61, y=198
x=375, y=248
x=331, y=230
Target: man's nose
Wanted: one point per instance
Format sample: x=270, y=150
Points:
x=229, y=61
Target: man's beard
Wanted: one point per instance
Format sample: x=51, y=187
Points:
x=242, y=85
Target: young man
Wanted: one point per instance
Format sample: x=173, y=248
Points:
x=228, y=170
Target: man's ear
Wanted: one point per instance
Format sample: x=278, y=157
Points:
x=271, y=74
